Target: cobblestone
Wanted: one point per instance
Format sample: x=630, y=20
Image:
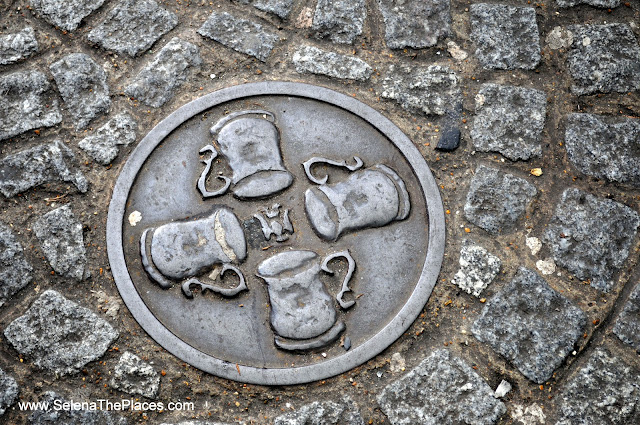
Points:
x=604, y=58
x=26, y=102
x=496, y=200
x=83, y=86
x=478, y=268
x=102, y=146
x=415, y=23
x=442, y=389
x=509, y=120
x=506, y=37
x=58, y=335
x=343, y=412
x=158, y=81
x=8, y=391
x=531, y=325
x=240, y=35
x=432, y=90
x=72, y=417
x=17, y=46
x=134, y=376
x=132, y=26
x=608, y=4
x=591, y=237
x=309, y=59
x=604, y=391
x=46, y=163
x=60, y=236
x=281, y=8
x=340, y=21
x=606, y=148
x=15, y=271
x=627, y=326
x=66, y=14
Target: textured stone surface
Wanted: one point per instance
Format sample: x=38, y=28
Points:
x=26, y=102
x=132, y=26
x=281, y=8
x=441, y=390
x=51, y=162
x=627, y=326
x=309, y=59
x=66, y=14
x=134, y=376
x=343, y=412
x=17, y=46
x=15, y=271
x=531, y=325
x=160, y=79
x=477, y=270
x=595, y=3
x=60, y=236
x=72, y=417
x=450, y=139
x=83, y=86
x=415, y=23
x=196, y=423
x=240, y=35
x=591, y=237
x=604, y=391
x=340, y=21
x=506, y=36
x=102, y=146
x=559, y=38
x=58, y=335
x=8, y=391
x=606, y=148
x=509, y=120
x=432, y=90
x=496, y=200
x=604, y=58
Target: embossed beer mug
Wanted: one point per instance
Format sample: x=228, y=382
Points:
x=250, y=141
x=184, y=250
x=303, y=314
x=370, y=197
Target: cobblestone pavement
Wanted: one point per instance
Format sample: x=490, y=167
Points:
x=535, y=318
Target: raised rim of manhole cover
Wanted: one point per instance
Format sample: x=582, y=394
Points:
x=174, y=216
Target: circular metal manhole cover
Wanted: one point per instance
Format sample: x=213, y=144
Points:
x=275, y=233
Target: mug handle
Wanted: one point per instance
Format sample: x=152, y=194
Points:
x=345, y=283
x=225, y=292
x=203, y=177
x=317, y=160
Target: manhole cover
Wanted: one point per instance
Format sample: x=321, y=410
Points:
x=275, y=233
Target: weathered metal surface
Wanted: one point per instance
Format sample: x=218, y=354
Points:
x=325, y=212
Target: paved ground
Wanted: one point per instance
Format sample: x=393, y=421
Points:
x=539, y=294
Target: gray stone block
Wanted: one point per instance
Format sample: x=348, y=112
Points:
x=134, y=376
x=506, y=36
x=478, y=268
x=240, y=35
x=415, y=23
x=591, y=237
x=604, y=58
x=496, y=200
x=608, y=4
x=26, y=103
x=72, y=416
x=309, y=59
x=15, y=271
x=432, y=90
x=17, y=46
x=531, y=325
x=66, y=14
x=340, y=21
x=280, y=8
x=158, y=81
x=603, y=147
x=102, y=146
x=83, y=86
x=8, y=391
x=342, y=412
x=60, y=236
x=58, y=335
x=627, y=326
x=441, y=390
x=604, y=392
x=509, y=120
x=132, y=26
x=47, y=163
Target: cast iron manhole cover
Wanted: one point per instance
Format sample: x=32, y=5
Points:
x=275, y=233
